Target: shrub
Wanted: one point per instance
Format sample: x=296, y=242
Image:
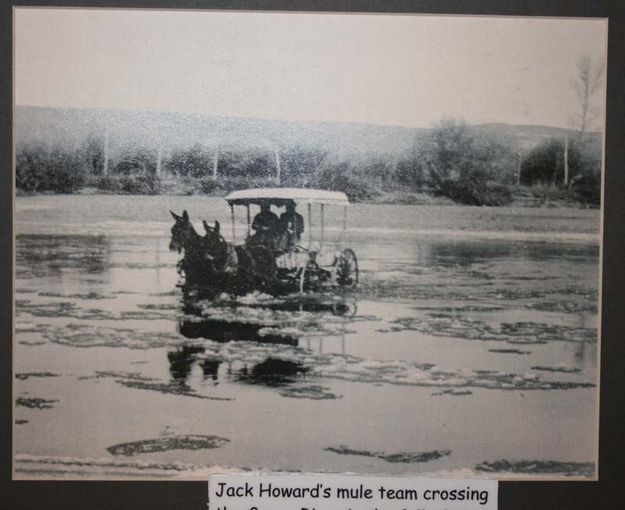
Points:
x=299, y=163
x=192, y=162
x=209, y=185
x=39, y=169
x=108, y=183
x=139, y=161
x=474, y=189
x=29, y=174
x=140, y=184
x=464, y=165
x=587, y=189
x=343, y=177
x=410, y=173
x=246, y=164
x=545, y=164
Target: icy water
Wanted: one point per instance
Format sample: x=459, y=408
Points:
x=470, y=347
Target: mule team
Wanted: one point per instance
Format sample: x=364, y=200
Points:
x=211, y=264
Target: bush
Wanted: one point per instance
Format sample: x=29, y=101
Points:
x=140, y=184
x=108, y=183
x=343, y=177
x=39, y=169
x=587, y=189
x=139, y=161
x=545, y=165
x=473, y=189
x=449, y=151
x=410, y=173
x=246, y=164
x=356, y=190
x=29, y=174
x=299, y=163
x=209, y=185
x=192, y=162
x=464, y=165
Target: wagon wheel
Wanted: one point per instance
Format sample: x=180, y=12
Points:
x=345, y=308
x=347, y=268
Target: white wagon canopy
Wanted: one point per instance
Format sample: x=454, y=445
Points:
x=298, y=262
x=279, y=196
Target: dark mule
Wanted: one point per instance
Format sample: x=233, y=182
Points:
x=212, y=265
x=204, y=257
x=215, y=246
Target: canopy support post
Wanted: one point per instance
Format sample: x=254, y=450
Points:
x=248, y=220
x=232, y=217
x=344, y=218
x=322, y=226
x=309, y=224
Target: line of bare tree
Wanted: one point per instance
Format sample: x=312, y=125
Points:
x=453, y=159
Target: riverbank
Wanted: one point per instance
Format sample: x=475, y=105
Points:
x=149, y=215
x=522, y=196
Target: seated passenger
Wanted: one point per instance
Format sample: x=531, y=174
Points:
x=265, y=227
x=291, y=227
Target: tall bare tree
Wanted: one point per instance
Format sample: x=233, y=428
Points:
x=587, y=84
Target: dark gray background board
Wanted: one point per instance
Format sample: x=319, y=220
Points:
x=607, y=493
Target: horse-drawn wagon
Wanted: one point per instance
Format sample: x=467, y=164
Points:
x=276, y=255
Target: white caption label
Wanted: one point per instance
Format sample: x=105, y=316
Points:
x=348, y=492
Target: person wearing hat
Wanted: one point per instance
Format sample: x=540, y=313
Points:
x=291, y=226
x=265, y=226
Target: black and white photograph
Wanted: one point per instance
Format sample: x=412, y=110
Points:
x=306, y=242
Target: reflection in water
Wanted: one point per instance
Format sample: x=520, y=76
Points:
x=466, y=253
x=48, y=255
x=575, y=253
x=181, y=361
x=586, y=355
x=210, y=368
x=442, y=294
x=262, y=328
x=272, y=372
x=269, y=372
x=224, y=331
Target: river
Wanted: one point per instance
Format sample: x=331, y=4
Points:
x=469, y=347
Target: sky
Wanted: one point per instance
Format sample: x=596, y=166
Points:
x=401, y=70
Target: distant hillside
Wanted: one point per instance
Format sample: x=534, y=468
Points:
x=171, y=130
x=71, y=127
x=525, y=138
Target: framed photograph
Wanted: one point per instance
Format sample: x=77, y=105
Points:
x=295, y=241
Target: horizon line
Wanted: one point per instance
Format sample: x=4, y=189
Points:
x=293, y=121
